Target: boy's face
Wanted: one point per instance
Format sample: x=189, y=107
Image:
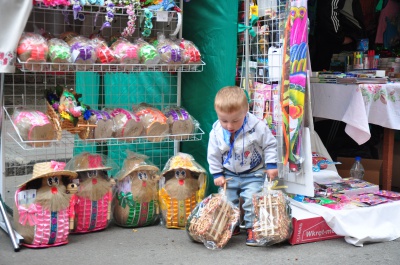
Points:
x=231, y=121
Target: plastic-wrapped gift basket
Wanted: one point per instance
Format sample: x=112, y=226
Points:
x=213, y=221
x=41, y=210
x=273, y=220
x=91, y=204
x=182, y=186
x=135, y=202
x=153, y=120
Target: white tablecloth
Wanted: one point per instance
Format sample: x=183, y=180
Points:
x=357, y=105
x=361, y=225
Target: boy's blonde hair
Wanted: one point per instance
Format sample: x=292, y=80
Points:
x=230, y=99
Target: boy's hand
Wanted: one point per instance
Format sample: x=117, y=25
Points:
x=272, y=173
x=220, y=181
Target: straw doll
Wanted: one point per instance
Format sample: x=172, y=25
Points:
x=136, y=199
x=182, y=187
x=41, y=206
x=91, y=205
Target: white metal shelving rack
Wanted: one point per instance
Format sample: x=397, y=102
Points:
x=158, y=85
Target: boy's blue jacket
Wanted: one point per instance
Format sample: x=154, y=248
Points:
x=254, y=147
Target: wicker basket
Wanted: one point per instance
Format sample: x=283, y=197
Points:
x=82, y=128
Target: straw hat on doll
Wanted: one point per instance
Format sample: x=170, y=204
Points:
x=182, y=161
x=134, y=162
x=50, y=169
x=87, y=162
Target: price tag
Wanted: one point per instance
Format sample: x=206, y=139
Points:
x=162, y=16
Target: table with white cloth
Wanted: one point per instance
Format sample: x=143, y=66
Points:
x=360, y=225
x=357, y=105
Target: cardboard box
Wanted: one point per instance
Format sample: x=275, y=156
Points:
x=372, y=168
x=309, y=227
x=396, y=165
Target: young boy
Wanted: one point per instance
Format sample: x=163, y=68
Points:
x=241, y=147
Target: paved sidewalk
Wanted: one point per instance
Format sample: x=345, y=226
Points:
x=159, y=245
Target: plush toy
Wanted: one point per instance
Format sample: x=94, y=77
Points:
x=182, y=186
x=34, y=126
x=91, y=205
x=136, y=197
x=32, y=49
x=41, y=214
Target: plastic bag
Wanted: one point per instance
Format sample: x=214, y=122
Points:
x=272, y=223
x=213, y=221
x=182, y=185
x=91, y=205
x=135, y=202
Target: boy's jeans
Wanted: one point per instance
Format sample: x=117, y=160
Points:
x=244, y=186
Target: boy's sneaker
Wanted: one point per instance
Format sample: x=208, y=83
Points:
x=236, y=231
x=250, y=241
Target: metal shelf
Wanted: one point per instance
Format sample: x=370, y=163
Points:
x=72, y=140
x=73, y=67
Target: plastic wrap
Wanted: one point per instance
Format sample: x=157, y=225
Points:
x=182, y=185
x=272, y=223
x=32, y=49
x=34, y=125
x=126, y=123
x=213, y=221
x=125, y=51
x=148, y=54
x=191, y=54
x=104, y=125
x=41, y=206
x=59, y=54
x=135, y=202
x=82, y=51
x=153, y=120
x=104, y=53
x=90, y=206
x=170, y=52
x=180, y=122
x=68, y=35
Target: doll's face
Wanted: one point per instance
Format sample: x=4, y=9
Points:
x=53, y=181
x=181, y=173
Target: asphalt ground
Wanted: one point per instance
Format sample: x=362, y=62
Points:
x=158, y=245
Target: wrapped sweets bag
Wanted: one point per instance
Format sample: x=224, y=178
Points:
x=126, y=123
x=148, y=54
x=82, y=52
x=59, y=54
x=90, y=207
x=104, y=54
x=190, y=54
x=182, y=186
x=125, y=51
x=32, y=49
x=180, y=123
x=34, y=126
x=135, y=202
x=213, y=221
x=170, y=52
x=104, y=125
x=153, y=120
x=273, y=220
x=41, y=210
